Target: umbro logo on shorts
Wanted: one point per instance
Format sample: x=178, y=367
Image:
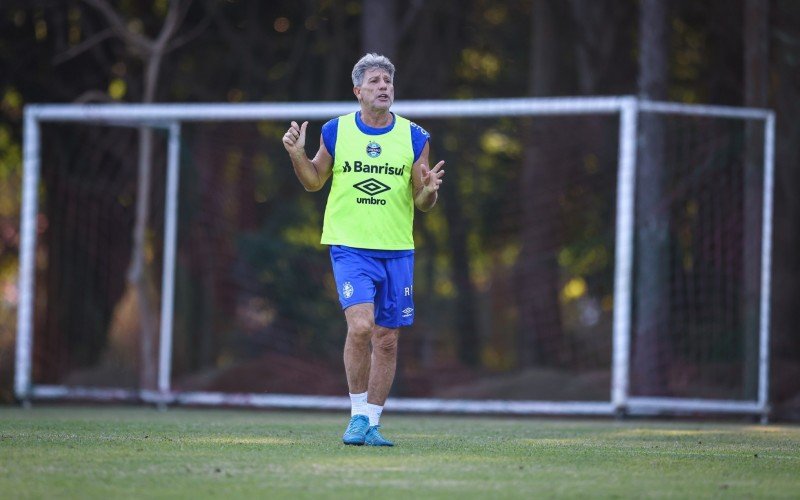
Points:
x=407, y=312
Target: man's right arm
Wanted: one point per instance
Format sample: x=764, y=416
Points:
x=312, y=173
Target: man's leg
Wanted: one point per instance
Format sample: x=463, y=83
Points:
x=384, y=364
x=394, y=306
x=360, y=321
x=381, y=376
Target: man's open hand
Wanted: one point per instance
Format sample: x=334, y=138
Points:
x=432, y=179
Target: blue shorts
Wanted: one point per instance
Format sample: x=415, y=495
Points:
x=387, y=283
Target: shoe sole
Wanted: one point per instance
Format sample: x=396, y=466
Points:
x=353, y=442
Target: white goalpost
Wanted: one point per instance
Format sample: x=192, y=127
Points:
x=172, y=118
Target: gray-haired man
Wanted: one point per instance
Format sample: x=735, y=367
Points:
x=379, y=164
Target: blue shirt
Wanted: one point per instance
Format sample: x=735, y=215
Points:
x=419, y=137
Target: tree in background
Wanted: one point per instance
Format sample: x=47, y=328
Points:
x=540, y=324
x=784, y=92
x=290, y=51
x=379, y=27
x=140, y=275
x=756, y=81
x=652, y=229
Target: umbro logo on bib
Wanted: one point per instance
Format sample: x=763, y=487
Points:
x=371, y=187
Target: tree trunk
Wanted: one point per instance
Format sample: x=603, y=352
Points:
x=652, y=235
x=334, y=65
x=140, y=282
x=540, y=331
x=756, y=62
x=785, y=296
x=139, y=273
x=379, y=27
x=597, y=25
x=466, y=322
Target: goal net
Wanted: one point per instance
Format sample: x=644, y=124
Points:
x=587, y=256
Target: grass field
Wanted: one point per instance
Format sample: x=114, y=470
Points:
x=140, y=452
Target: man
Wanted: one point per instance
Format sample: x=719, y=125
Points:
x=379, y=164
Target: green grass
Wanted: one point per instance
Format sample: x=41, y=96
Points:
x=135, y=452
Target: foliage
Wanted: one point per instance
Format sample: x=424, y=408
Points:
x=237, y=51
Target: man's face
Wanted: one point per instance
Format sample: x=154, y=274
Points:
x=376, y=91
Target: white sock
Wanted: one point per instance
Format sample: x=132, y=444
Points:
x=374, y=414
x=358, y=404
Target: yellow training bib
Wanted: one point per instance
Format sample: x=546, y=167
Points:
x=371, y=200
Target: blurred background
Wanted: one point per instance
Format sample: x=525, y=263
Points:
x=514, y=277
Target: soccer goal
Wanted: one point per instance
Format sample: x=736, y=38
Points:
x=589, y=256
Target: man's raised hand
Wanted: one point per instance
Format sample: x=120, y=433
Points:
x=294, y=140
x=432, y=179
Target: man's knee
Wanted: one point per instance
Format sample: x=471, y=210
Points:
x=359, y=328
x=385, y=339
x=360, y=323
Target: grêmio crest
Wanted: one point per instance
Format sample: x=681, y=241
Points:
x=373, y=149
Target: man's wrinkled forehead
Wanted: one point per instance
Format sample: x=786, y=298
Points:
x=371, y=72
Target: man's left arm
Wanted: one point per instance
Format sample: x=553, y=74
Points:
x=426, y=181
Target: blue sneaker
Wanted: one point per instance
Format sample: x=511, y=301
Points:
x=374, y=438
x=356, y=430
